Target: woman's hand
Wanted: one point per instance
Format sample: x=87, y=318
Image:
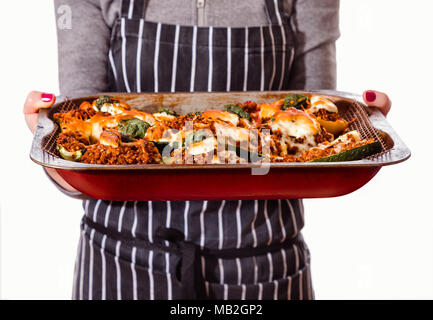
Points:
x=35, y=101
x=379, y=100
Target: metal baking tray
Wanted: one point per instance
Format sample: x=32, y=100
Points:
x=220, y=181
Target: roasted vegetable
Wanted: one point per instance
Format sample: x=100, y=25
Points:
x=297, y=101
x=357, y=153
x=135, y=128
x=238, y=110
x=334, y=127
x=161, y=146
x=167, y=111
x=103, y=100
x=71, y=156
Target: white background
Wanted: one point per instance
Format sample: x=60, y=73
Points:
x=376, y=243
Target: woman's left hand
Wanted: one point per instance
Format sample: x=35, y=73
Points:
x=378, y=99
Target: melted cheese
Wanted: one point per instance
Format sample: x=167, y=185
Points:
x=318, y=103
x=99, y=123
x=245, y=123
x=341, y=141
x=345, y=138
x=156, y=132
x=238, y=134
x=295, y=123
x=267, y=111
x=93, y=127
x=205, y=146
x=150, y=119
x=112, y=108
x=76, y=125
x=163, y=116
x=173, y=135
x=222, y=115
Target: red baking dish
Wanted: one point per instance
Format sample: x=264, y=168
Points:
x=221, y=181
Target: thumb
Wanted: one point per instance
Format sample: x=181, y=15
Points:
x=37, y=100
x=377, y=99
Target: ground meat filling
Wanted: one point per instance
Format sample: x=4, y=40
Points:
x=84, y=112
x=179, y=122
x=323, y=136
x=326, y=115
x=143, y=152
x=70, y=143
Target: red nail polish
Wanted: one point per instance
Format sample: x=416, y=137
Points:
x=47, y=97
x=370, y=96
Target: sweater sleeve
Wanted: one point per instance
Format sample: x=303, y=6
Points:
x=316, y=29
x=83, y=44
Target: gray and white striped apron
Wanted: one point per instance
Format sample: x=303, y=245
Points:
x=195, y=249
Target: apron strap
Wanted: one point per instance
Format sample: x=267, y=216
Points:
x=191, y=279
x=134, y=9
x=275, y=11
x=130, y=240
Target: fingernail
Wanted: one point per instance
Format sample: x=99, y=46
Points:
x=370, y=96
x=47, y=97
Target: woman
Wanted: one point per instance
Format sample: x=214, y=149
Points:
x=228, y=249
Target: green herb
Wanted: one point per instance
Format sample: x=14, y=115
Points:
x=103, y=100
x=167, y=111
x=297, y=101
x=134, y=127
x=238, y=110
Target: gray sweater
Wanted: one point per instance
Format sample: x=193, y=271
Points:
x=83, y=49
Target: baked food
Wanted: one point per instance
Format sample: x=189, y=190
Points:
x=297, y=128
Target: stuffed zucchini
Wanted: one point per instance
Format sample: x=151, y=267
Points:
x=356, y=153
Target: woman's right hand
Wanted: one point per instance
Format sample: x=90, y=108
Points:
x=35, y=101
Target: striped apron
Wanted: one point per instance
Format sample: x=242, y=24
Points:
x=195, y=249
